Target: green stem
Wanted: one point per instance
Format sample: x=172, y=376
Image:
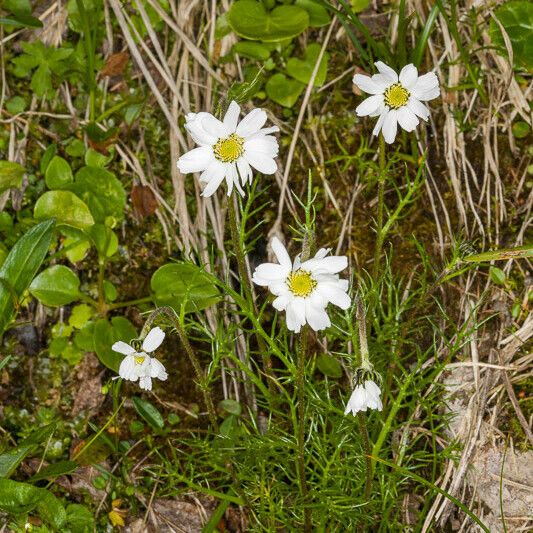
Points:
x=368, y=452
x=137, y=301
x=300, y=392
x=200, y=376
x=381, y=197
x=247, y=286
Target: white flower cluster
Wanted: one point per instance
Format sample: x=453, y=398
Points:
x=229, y=150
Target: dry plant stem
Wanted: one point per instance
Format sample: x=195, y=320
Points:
x=300, y=392
x=381, y=194
x=200, y=376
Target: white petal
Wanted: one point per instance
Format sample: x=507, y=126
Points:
x=390, y=126
x=426, y=86
x=251, y=123
x=322, y=253
x=407, y=119
x=153, y=340
x=266, y=145
x=232, y=178
x=261, y=162
x=379, y=123
x=408, y=76
x=145, y=383
x=213, y=176
x=368, y=84
x=232, y=116
x=196, y=130
x=328, y=265
x=157, y=369
x=369, y=106
x=271, y=272
x=293, y=323
x=281, y=253
x=245, y=171
x=127, y=368
x=335, y=295
x=386, y=71
x=281, y=302
x=418, y=108
x=196, y=160
x=122, y=347
x=213, y=126
x=317, y=318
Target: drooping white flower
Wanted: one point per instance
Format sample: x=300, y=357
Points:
x=396, y=99
x=304, y=290
x=230, y=148
x=365, y=396
x=139, y=365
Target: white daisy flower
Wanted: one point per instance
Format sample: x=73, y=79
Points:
x=396, y=99
x=304, y=290
x=365, y=396
x=230, y=148
x=139, y=365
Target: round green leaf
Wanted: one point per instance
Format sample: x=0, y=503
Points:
x=177, y=284
x=56, y=286
x=283, y=91
x=250, y=19
x=318, y=14
x=106, y=333
x=102, y=192
x=11, y=174
x=302, y=70
x=252, y=50
x=517, y=20
x=58, y=173
x=520, y=129
x=65, y=207
x=329, y=366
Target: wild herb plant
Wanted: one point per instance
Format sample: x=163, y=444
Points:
x=249, y=354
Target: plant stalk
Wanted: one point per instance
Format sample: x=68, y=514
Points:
x=368, y=452
x=381, y=203
x=200, y=376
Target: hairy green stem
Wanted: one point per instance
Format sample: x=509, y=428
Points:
x=381, y=197
x=300, y=397
x=247, y=285
x=200, y=376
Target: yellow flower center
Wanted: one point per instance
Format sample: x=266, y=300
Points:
x=139, y=359
x=301, y=283
x=228, y=150
x=396, y=96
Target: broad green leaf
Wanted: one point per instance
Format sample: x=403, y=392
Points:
x=318, y=14
x=21, y=21
x=10, y=460
x=503, y=254
x=329, y=366
x=101, y=191
x=252, y=50
x=79, y=519
x=497, y=275
x=302, y=70
x=56, y=286
x=250, y=19
x=104, y=239
x=148, y=412
x=58, y=173
x=177, y=284
x=11, y=174
x=517, y=20
x=80, y=315
x=521, y=129
x=106, y=333
x=55, y=470
x=21, y=498
x=232, y=407
x=65, y=207
x=359, y=5
x=284, y=91
x=20, y=267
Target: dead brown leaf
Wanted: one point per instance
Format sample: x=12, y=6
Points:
x=115, y=64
